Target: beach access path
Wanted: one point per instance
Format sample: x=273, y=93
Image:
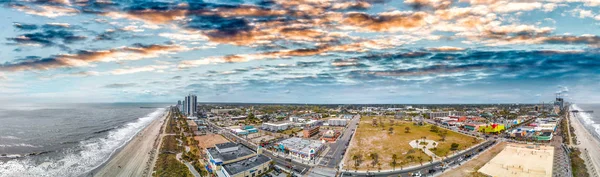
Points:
x=587, y=143
x=135, y=157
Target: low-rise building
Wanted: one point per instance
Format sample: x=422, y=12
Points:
x=330, y=136
x=310, y=131
x=275, y=127
x=304, y=149
x=253, y=166
x=233, y=159
x=337, y=122
x=192, y=124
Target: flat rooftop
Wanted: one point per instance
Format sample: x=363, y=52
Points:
x=231, y=155
x=521, y=160
x=243, y=165
x=301, y=145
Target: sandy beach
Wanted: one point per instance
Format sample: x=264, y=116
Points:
x=135, y=157
x=586, y=142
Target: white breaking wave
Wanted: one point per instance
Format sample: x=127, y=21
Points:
x=9, y=137
x=18, y=145
x=90, y=155
x=587, y=120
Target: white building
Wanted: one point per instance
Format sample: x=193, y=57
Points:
x=337, y=122
x=275, y=127
x=190, y=105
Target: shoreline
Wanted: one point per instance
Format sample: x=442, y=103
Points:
x=132, y=158
x=586, y=142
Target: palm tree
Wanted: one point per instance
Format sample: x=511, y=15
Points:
x=394, y=157
x=443, y=134
x=357, y=160
x=375, y=158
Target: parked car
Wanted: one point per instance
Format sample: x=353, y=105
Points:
x=432, y=171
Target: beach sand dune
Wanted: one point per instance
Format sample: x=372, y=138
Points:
x=135, y=157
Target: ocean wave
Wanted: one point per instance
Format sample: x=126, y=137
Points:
x=14, y=156
x=9, y=137
x=588, y=121
x=19, y=145
x=89, y=155
x=105, y=130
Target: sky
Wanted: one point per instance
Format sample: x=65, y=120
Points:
x=300, y=51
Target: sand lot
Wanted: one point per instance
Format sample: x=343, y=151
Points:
x=521, y=160
x=472, y=165
x=209, y=140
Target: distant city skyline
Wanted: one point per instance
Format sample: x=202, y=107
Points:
x=330, y=52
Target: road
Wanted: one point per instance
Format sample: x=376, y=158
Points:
x=424, y=169
x=336, y=150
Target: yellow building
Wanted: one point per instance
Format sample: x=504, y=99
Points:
x=492, y=128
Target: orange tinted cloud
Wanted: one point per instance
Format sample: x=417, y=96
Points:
x=386, y=22
x=87, y=57
x=151, y=16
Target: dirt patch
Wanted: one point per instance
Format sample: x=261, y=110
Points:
x=470, y=168
x=208, y=141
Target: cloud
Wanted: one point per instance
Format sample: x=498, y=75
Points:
x=152, y=16
x=120, y=85
x=25, y=27
x=435, y=4
x=49, y=11
x=445, y=49
x=47, y=38
x=86, y=57
x=345, y=62
x=132, y=70
x=387, y=22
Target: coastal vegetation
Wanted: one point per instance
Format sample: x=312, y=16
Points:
x=577, y=163
x=374, y=145
x=168, y=165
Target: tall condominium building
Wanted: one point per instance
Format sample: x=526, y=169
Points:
x=190, y=106
x=184, y=107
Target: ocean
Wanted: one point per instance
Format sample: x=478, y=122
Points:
x=67, y=139
x=591, y=120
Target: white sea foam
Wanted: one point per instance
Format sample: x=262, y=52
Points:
x=9, y=137
x=587, y=120
x=89, y=155
x=18, y=145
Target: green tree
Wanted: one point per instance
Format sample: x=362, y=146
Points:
x=407, y=130
x=454, y=146
x=391, y=130
x=443, y=134
x=434, y=128
x=420, y=160
x=394, y=163
x=357, y=160
x=375, y=158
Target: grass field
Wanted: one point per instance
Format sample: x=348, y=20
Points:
x=370, y=139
